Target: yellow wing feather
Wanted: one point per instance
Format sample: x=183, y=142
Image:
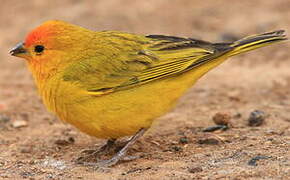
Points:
x=131, y=60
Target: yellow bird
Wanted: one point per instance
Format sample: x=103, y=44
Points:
x=111, y=84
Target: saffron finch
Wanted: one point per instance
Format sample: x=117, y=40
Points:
x=111, y=84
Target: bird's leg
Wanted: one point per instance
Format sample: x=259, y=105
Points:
x=103, y=149
x=106, y=147
x=117, y=157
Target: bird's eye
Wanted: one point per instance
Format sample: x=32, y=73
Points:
x=39, y=48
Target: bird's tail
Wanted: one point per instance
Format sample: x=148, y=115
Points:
x=256, y=41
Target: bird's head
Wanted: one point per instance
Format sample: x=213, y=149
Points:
x=49, y=38
x=52, y=45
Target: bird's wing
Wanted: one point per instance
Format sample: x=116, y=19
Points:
x=130, y=60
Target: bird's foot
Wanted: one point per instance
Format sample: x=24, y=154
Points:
x=96, y=153
x=121, y=155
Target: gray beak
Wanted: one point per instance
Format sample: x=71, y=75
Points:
x=18, y=50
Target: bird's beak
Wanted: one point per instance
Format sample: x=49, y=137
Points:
x=19, y=50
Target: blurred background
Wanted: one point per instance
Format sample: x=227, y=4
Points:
x=258, y=79
x=210, y=19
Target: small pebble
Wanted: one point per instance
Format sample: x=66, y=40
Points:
x=222, y=118
x=63, y=142
x=26, y=150
x=26, y=174
x=4, y=118
x=71, y=139
x=19, y=124
x=194, y=169
x=183, y=140
x=176, y=148
x=211, y=141
x=237, y=115
x=256, y=118
x=24, y=116
x=253, y=161
x=215, y=128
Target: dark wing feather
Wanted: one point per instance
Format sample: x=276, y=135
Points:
x=136, y=60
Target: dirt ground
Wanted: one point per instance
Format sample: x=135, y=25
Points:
x=36, y=145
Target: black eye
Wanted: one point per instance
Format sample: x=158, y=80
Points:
x=38, y=48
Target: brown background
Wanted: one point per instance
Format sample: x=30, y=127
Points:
x=257, y=80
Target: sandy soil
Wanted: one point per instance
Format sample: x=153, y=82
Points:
x=35, y=145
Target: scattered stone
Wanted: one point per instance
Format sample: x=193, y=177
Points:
x=71, y=140
x=50, y=176
x=26, y=150
x=4, y=176
x=222, y=121
x=253, y=161
x=256, y=118
x=176, y=149
x=4, y=118
x=237, y=115
x=26, y=174
x=63, y=142
x=134, y=170
x=222, y=118
x=183, y=140
x=194, y=169
x=60, y=165
x=24, y=116
x=211, y=141
x=215, y=128
x=234, y=95
x=19, y=123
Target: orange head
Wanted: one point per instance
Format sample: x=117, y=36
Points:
x=50, y=40
x=52, y=45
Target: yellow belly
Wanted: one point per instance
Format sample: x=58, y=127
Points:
x=125, y=112
x=122, y=113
